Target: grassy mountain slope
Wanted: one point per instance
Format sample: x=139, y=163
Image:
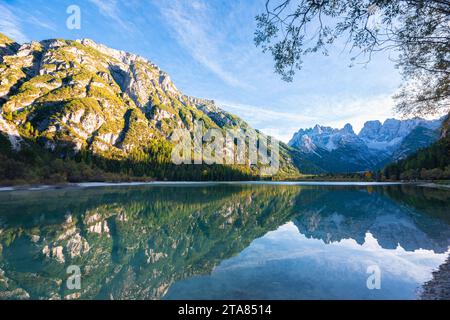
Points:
x=81, y=100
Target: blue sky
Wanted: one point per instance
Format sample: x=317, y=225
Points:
x=207, y=48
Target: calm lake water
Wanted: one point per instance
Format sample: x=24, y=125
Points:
x=222, y=241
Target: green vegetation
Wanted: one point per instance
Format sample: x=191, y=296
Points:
x=35, y=165
x=5, y=40
x=432, y=163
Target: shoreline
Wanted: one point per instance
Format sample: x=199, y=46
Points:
x=435, y=185
x=438, y=288
x=86, y=185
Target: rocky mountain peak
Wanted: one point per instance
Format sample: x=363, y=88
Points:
x=393, y=131
x=376, y=144
x=370, y=129
x=122, y=56
x=348, y=129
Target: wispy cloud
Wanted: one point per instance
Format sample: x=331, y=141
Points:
x=41, y=23
x=260, y=113
x=10, y=25
x=191, y=25
x=283, y=124
x=198, y=5
x=110, y=9
x=279, y=124
x=353, y=110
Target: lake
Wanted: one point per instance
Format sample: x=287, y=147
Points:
x=222, y=241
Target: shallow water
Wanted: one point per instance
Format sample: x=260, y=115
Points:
x=222, y=241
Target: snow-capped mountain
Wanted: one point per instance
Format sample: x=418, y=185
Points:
x=326, y=138
x=342, y=150
x=392, y=132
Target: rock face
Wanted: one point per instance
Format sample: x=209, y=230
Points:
x=63, y=86
x=79, y=95
x=393, y=131
x=439, y=287
x=376, y=145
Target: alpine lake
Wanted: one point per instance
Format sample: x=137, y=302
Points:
x=222, y=241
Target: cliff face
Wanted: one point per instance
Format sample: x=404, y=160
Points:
x=91, y=96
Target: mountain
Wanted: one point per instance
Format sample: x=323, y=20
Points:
x=377, y=144
x=431, y=162
x=80, y=99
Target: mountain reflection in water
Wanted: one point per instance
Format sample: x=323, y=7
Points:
x=222, y=241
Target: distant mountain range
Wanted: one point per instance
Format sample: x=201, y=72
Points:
x=377, y=144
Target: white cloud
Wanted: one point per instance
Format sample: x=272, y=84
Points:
x=198, y=5
x=10, y=25
x=283, y=134
x=278, y=124
x=41, y=23
x=109, y=8
x=356, y=111
x=191, y=26
x=259, y=113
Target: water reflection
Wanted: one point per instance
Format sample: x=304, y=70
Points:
x=221, y=241
x=350, y=214
x=285, y=264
